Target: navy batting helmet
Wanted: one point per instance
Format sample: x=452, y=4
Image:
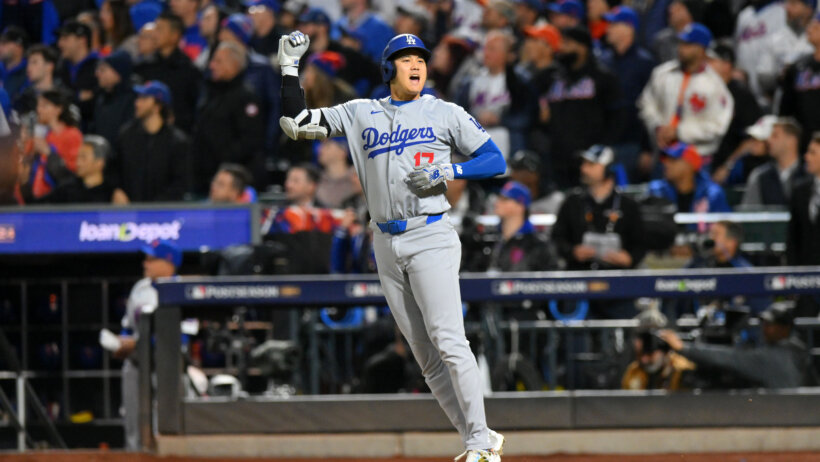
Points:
x=397, y=44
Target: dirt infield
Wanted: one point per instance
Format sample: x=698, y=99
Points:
x=124, y=457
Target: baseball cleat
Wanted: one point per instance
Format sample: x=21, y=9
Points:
x=478, y=455
x=497, y=442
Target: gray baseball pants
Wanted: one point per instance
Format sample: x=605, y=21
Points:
x=418, y=270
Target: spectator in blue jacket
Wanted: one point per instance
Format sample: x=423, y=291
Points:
x=359, y=18
x=685, y=184
x=633, y=65
x=13, y=44
x=566, y=13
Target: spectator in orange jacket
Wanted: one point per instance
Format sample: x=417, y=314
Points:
x=58, y=133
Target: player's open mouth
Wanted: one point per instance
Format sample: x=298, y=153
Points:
x=415, y=77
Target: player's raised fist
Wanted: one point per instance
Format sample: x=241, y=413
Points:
x=291, y=49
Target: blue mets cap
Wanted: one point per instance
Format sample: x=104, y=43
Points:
x=240, y=25
x=684, y=151
x=696, y=33
x=155, y=89
x=570, y=7
x=272, y=5
x=623, y=14
x=144, y=12
x=164, y=250
x=517, y=192
x=315, y=16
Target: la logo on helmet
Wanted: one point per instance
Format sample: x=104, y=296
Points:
x=411, y=40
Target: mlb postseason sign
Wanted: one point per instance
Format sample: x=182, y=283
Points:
x=117, y=229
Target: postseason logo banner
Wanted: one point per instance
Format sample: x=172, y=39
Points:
x=122, y=230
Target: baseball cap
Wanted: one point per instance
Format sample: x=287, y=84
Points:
x=330, y=62
x=525, y=160
x=240, y=25
x=144, y=12
x=547, y=33
x=315, y=16
x=696, y=33
x=155, y=89
x=517, y=192
x=272, y=5
x=762, y=129
x=570, y=7
x=599, y=154
x=686, y=152
x=779, y=313
x=73, y=27
x=16, y=35
x=623, y=14
x=164, y=250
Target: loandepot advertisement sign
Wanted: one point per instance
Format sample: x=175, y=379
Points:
x=120, y=230
x=129, y=231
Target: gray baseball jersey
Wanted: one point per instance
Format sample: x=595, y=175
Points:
x=418, y=269
x=387, y=141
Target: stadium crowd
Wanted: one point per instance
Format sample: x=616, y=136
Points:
x=702, y=106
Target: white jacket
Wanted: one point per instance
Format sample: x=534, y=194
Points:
x=707, y=105
x=754, y=31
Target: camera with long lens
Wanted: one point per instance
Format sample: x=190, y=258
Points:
x=722, y=323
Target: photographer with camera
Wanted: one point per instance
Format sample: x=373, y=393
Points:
x=782, y=362
x=656, y=367
x=720, y=250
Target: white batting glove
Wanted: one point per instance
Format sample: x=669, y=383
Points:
x=291, y=49
x=304, y=126
x=430, y=176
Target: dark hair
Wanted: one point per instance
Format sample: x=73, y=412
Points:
x=241, y=176
x=15, y=34
x=733, y=230
x=815, y=137
x=313, y=173
x=122, y=28
x=174, y=20
x=95, y=25
x=63, y=101
x=48, y=53
x=99, y=145
x=791, y=126
x=77, y=29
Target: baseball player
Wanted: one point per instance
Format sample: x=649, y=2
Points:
x=401, y=147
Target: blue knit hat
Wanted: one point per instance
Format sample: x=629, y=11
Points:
x=517, y=192
x=240, y=25
x=120, y=61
